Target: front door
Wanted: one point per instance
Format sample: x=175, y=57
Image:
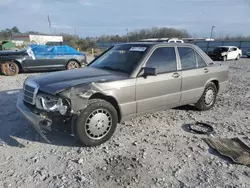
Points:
x=232, y=54
x=164, y=89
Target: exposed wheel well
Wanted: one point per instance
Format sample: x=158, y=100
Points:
x=111, y=100
x=216, y=84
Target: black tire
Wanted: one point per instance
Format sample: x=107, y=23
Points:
x=238, y=57
x=224, y=58
x=82, y=127
x=9, y=68
x=73, y=65
x=207, y=100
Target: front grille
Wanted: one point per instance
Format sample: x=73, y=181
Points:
x=30, y=91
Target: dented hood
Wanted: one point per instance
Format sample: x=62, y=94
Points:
x=59, y=81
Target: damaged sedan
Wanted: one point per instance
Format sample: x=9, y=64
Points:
x=126, y=81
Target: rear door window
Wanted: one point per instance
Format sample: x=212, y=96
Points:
x=187, y=57
x=163, y=59
x=200, y=61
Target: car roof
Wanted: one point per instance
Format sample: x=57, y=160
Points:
x=165, y=44
x=158, y=44
x=226, y=47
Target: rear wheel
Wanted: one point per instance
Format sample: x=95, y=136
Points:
x=224, y=58
x=238, y=57
x=73, y=65
x=96, y=123
x=208, y=97
x=9, y=68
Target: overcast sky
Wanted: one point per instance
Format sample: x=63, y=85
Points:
x=96, y=17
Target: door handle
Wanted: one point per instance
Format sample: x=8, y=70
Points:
x=176, y=75
x=206, y=70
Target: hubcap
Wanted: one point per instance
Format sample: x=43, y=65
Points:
x=8, y=68
x=12, y=68
x=98, y=124
x=73, y=65
x=209, y=96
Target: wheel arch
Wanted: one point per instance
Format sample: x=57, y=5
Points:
x=215, y=81
x=109, y=99
x=19, y=64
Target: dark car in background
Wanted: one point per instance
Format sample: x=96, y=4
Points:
x=248, y=53
x=41, y=58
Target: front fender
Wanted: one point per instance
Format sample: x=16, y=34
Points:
x=79, y=96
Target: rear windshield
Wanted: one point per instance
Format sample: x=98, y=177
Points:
x=121, y=58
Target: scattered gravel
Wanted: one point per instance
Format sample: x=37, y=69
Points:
x=149, y=151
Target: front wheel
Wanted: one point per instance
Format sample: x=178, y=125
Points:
x=224, y=58
x=96, y=123
x=9, y=68
x=208, y=97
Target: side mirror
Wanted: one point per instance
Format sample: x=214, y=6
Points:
x=148, y=71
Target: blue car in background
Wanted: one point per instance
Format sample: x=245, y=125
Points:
x=41, y=58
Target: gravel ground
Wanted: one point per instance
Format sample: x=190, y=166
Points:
x=149, y=151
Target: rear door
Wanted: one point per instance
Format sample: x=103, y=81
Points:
x=164, y=89
x=195, y=74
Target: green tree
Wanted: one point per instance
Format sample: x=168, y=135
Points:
x=15, y=30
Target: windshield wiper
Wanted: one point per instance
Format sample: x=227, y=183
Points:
x=114, y=69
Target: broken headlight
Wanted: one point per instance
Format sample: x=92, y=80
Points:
x=51, y=104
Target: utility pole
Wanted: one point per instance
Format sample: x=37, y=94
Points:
x=49, y=24
x=75, y=31
x=212, y=29
x=211, y=35
x=127, y=35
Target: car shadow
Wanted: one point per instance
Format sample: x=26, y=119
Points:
x=13, y=127
x=186, y=108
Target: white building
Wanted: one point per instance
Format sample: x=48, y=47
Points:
x=43, y=39
x=23, y=38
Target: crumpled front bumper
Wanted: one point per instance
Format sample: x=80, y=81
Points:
x=35, y=120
